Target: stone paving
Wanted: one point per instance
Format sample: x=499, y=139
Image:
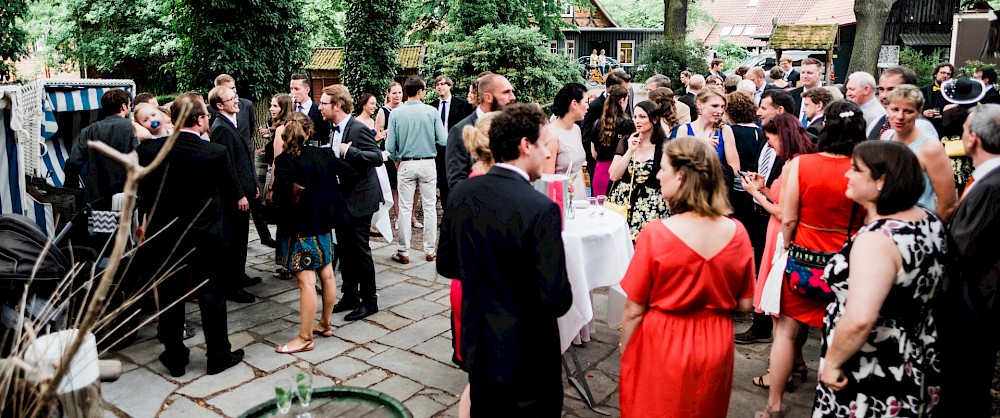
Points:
x=404, y=350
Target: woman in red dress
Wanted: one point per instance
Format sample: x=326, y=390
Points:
x=688, y=273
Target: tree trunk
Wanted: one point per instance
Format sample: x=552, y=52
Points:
x=675, y=19
x=871, y=16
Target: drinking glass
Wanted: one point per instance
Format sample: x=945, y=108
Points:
x=304, y=388
x=600, y=204
x=592, y=205
x=283, y=395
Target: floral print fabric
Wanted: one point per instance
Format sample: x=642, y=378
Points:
x=897, y=372
x=647, y=203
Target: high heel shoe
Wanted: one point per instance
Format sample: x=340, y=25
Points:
x=759, y=382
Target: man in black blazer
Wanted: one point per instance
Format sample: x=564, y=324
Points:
x=495, y=92
x=358, y=154
x=236, y=211
x=104, y=177
x=988, y=77
x=812, y=77
x=791, y=74
x=302, y=102
x=815, y=102
x=452, y=110
x=188, y=190
x=246, y=124
x=969, y=331
x=502, y=239
x=695, y=84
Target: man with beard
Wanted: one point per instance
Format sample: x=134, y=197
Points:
x=495, y=92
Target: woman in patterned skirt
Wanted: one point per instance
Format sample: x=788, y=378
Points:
x=879, y=354
x=305, y=185
x=635, y=166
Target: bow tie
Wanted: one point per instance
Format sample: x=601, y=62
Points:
x=335, y=128
x=936, y=88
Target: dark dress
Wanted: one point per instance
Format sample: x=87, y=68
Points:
x=897, y=371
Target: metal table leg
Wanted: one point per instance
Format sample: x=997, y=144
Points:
x=579, y=380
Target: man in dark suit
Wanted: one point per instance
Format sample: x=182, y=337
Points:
x=302, y=102
x=237, y=211
x=812, y=77
x=791, y=74
x=246, y=124
x=695, y=84
x=814, y=102
x=510, y=338
x=104, y=177
x=968, y=333
x=934, y=101
x=188, y=190
x=988, y=77
x=590, y=128
x=452, y=110
x=358, y=156
x=495, y=92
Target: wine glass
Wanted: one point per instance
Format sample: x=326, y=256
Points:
x=304, y=387
x=600, y=204
x=283, y=395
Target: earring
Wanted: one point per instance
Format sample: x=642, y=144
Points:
x=879, y=188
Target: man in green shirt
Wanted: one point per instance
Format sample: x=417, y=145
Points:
x=413, y=131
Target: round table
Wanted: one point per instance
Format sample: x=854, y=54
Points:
x=338, y=401
x=598, y=250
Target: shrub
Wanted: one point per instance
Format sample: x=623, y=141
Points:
x=517, y=53
x=920, y=63
x=970, y=67
x=663, y=56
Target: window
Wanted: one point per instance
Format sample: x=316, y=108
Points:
x=626, y=52
x=749, y=30
x=568, y=10
x=571, y=48
x=726, y=30
x=737, y=30
x=554, y=47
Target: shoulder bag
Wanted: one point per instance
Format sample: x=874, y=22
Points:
x=623, y=208
x=804, y=267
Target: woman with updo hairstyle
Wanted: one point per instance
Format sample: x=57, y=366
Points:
x=634, y=169
x=567, y=150
x=664, y=99
x=310, y=206
x=688, y=274
x=892, y=271
x=613, y=128
x=818, y=217
x=710, y=127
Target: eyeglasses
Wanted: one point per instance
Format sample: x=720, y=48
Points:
x=235, y=98
x=325, y=103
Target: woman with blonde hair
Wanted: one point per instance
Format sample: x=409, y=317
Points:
x=688, y=274
x=710, y=127
x=311, y=206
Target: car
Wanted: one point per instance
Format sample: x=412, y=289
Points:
x=584, y=62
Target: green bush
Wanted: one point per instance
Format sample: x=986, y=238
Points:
x=662, y=56
x=519, y=54
x=732, y=54
x=920, y=63
x=970, y=67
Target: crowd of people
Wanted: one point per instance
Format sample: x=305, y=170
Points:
x=740, y=194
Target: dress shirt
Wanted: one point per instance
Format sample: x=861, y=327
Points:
x=231, y=118
x=443, y=109
x=337, y=135
x=982, y=171
x=515, y=169
x=413, y=131
x=304, y=107
x=872, y=111
x=758, y=93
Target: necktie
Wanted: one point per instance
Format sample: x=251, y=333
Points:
x=805, y=123
x=885, y=127
x=967, y=186
x=335, y=128
x=936, y=88
x=444, y=112
x=766, y=161
x=300, y=109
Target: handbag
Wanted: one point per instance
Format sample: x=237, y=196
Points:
x=953, y=147
x=770, y=296
x=623, y=209
x=805, y=267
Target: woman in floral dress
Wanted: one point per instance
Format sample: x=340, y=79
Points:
x=880, y=355
x=634, y=169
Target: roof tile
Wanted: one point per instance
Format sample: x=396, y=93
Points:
x=332, y=59
x=763, y=16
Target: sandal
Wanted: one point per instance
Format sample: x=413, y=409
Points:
x=759, y=382
x=801, y=370
x=769, y=414
x=324, y=331
x=285, y=349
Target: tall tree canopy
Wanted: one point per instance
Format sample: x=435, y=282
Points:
x=258, y=42
x=373, y=35
x=13, y=38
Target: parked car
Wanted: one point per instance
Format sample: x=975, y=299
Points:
x=584, y=62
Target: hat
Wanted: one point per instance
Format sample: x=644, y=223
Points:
x=963, y=90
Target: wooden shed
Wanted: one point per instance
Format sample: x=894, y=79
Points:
x=326, y=64
x=806, y=37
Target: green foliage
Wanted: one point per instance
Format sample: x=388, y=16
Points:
x=920, y=63
x=731, y=53
x=431, y=19
x=370, y=58
x=636, y=13
x=325, y=20
x=13, y=38
x=667, y=57
x=970, y=67
x=258, y=42
x=519, y=54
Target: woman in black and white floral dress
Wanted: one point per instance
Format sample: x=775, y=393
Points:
x=880, y=351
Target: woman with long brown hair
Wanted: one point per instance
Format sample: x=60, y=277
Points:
x=664, y=99
x=614, y=126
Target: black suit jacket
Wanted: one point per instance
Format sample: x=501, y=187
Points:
x=321, y=128
x=104, y=177
x=322, y=207
x=458, y=109
x=503, y=240
x=793, y=77
x=816, y=126
x=992, y=96
x=594, y=112
x=688, y=99
x=245, y=119
x=240, y=154
x=358, y=180
x=189, y=187
x=873, y=135
x=933, y=99
x=797, y=98
x=458, y=161
x=975, y=227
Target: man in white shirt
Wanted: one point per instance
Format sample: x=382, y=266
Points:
x=302, y=102
x=861, y=90
x=811, y=77
x=756, y=76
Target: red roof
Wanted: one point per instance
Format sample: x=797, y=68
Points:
x=840, y=13
x=761, y=15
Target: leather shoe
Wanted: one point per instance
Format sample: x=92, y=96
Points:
x=247, y=281
x=269, y=242
x=346, y=304
x=748, y=337
x=401, y=259
x=174, y=365
x=430, y=256
x=239, y=296
x=219, y=362
x=363, y=311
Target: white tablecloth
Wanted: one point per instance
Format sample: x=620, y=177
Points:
x=598, y=251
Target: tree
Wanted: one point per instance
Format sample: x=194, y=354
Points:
x=447, y=17
x=675, y=19
x=325, y=20
x=13, y=39
x=370, y=56
x=669, y=57
x=258, y=42
x=871, y=16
